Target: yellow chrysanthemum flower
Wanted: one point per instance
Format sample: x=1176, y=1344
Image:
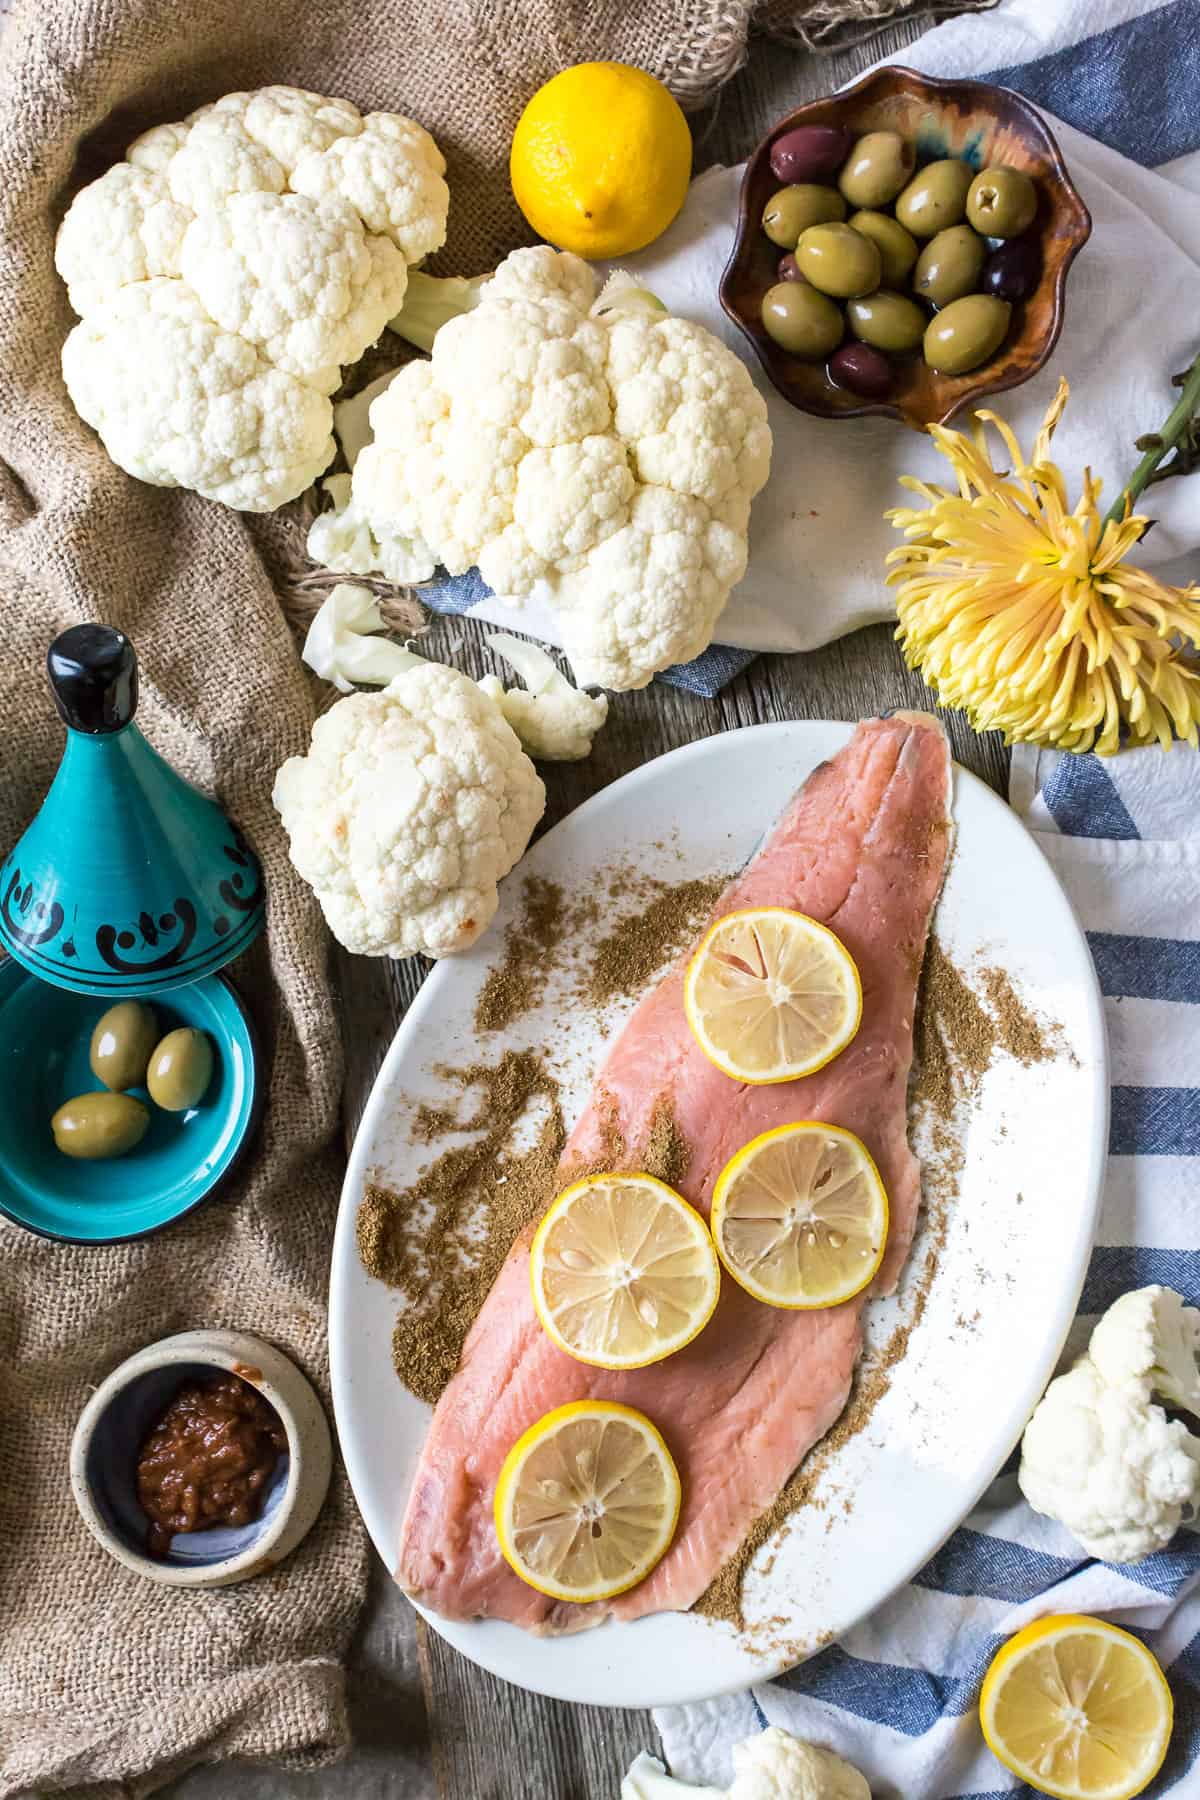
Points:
x=1024, y=612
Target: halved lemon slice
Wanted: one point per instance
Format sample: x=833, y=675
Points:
x=1078, y=1708
x=623, y=1270
x=587, y=1501
x=770, y=995
x=800, y=1216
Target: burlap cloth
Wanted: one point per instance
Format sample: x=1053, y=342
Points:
x=108, y=1684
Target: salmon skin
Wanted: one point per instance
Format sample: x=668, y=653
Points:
x=862, y=847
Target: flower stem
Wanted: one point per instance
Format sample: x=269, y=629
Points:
x=1165, y=439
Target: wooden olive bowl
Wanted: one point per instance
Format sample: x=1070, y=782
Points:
x=969, y=119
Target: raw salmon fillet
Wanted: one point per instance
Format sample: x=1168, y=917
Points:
x=862, y=847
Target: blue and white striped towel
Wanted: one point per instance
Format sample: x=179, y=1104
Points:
x=1127, y=72
x=897, y=1696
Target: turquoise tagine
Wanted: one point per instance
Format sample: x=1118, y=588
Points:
x=129, y=880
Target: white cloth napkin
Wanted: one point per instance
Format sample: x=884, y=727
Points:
x=818, y=538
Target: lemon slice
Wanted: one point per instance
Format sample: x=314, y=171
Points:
x=1078, y=1708
x=771, y=995
x=800, y=1216
x=587, y=1501
x=623, y=1270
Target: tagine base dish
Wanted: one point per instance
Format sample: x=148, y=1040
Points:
x=45, y=1034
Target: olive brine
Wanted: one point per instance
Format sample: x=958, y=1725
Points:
x=870, y=243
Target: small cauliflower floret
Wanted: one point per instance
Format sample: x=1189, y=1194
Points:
x=409, y=807
x=687, y=407
x=600, y=455
x=216, y=160
x=298, y=278
x=772, y=1766
x=341, y=538
x=180, y=403
x=554, y=721
x=392, y=174
x=651, y=594
x=1108, y=1464
x=123, y=228
x=569, y=499
x=155, y=148
x=455, y=499
x=777, y=1766
x=290, y=122
x=1150, y=1335
x=289, y=219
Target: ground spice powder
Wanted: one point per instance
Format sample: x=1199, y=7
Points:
x=625, y=962
x=667, y=1153
x=1025, y=1036
x=513, y=985
x=442, y=1241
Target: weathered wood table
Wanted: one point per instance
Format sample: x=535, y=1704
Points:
x=427, y=1722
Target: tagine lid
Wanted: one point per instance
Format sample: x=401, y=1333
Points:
x=129, y=880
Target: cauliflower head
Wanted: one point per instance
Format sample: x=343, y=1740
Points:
x=411, y=804
x=224, y=274
x=603, y=459
x=1109, y=1465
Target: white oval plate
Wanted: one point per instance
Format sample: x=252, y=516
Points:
x=999, y=1307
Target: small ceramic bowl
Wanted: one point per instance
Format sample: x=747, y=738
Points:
x=117, y=1419
x=973, y=120
x=45, y=1035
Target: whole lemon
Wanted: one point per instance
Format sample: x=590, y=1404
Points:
x=601, y=159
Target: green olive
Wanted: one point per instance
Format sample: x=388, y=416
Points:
x=966, y=333
x=801, y=320
x=838, y=261
x=1001, y=203
x=886, y=320
x=94, y=1126
x=897, y=247
x=949, y=265
x=935, y=198
x=180, y=1070
x=793, y=209
x=121, y=1045
x=877, y=168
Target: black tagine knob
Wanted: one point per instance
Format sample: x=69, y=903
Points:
x=93, y=677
